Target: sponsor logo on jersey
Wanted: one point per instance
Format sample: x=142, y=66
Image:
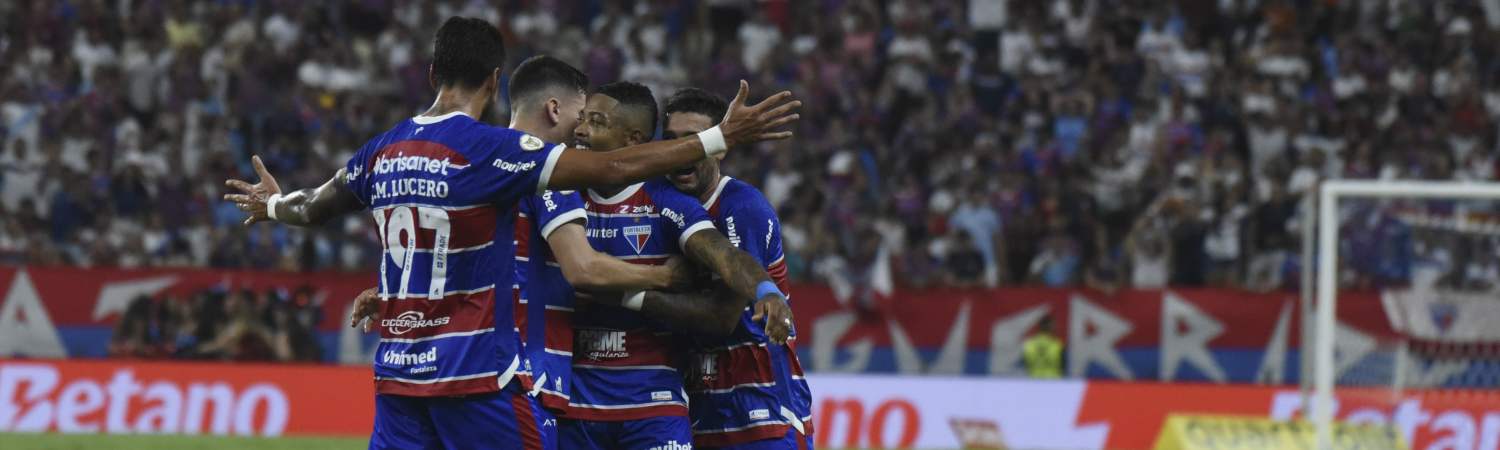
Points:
x=661, y=396
x=760, y=414
x=673, y=445
x=410, y=320
x=770, y=228
x=513, y=167
x=637, y=235
x=601, y=344
x=729, y=231
x=530, y=143
x=547, y=201
x=635, y=209
x=603, y=233
x=396, y=358
x=402, y=163
x=675, y=216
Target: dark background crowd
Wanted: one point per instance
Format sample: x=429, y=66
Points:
x=986, y=142
x=221, y=324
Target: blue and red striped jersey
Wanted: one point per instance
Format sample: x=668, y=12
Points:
x=442, y=191
x=544, y=300
x=742, y=387
x=624, y=366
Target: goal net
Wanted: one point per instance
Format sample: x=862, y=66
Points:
x=1411, y=271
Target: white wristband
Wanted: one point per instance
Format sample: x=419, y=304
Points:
x=271, y=205
x=713, y=142
x=633, y=300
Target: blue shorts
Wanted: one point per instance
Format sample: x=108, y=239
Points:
x=656, y=433
x=502, y=420
x=548, y=421
x=793, y=440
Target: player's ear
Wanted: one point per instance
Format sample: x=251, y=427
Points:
x=554, y=110
x=492, y=85
x=431, y=78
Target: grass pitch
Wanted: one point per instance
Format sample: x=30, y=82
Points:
x=48, y=441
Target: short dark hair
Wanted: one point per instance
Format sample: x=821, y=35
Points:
x=541, y=73
x=636, y=96
x=694, y=100
x=466, y=52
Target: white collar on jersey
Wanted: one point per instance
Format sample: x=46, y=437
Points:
x=429, y=120
x=723, y=181
x=617, y=198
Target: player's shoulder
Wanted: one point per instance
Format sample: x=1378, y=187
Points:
x=553, y=198
x=741, y=197
x=500, y=138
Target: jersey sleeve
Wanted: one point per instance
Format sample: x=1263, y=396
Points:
x=357, y=173
x=554, y=209
x=684, y=215
x=521, y=164
x=758, y=228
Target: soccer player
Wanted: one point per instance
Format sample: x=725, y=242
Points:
x=547, y=97
x=747, y=391
x=443, y=188
x=627, y=390
x=553, y=254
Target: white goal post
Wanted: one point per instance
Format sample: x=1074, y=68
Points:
x=1329, y=195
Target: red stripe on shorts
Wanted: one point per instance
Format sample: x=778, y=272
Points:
x=531, y=437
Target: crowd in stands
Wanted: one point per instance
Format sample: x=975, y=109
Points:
x=1108, y=144
x=221, y=324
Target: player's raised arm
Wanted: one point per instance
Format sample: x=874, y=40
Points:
x=742, y=124
x=313, y=206
x=745, y=277
x=587, y=269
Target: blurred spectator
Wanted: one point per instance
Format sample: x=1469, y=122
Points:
x=240, y=325
x=1043, y=352
x=965, y=262
x=1043, y=131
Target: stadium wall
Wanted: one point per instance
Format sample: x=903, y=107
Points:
x=850, y=411
x=1181, y=334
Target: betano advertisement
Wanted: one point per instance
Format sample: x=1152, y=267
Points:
x=850, y=411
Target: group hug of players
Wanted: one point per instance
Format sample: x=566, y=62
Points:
x=615, y=293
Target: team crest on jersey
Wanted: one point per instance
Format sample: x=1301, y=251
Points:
x=530, y=143
x=637, y=236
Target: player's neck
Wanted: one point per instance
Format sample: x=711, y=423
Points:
x=710, y=188
x=451, y=99
x=608, y=191
x=531, y=126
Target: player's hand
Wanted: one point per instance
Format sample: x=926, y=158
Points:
x=253, y=197
x=366, y=310
x=745, y=124
x=683, y=275
x=778, y=316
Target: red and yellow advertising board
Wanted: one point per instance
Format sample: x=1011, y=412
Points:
x=851, y=411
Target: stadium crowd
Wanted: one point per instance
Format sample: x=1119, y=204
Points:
x=221, y=324
x=983, y=142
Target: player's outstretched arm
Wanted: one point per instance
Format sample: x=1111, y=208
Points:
x=264, y=200
x=742, y=124
x=745, y=277
x=587, y=269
